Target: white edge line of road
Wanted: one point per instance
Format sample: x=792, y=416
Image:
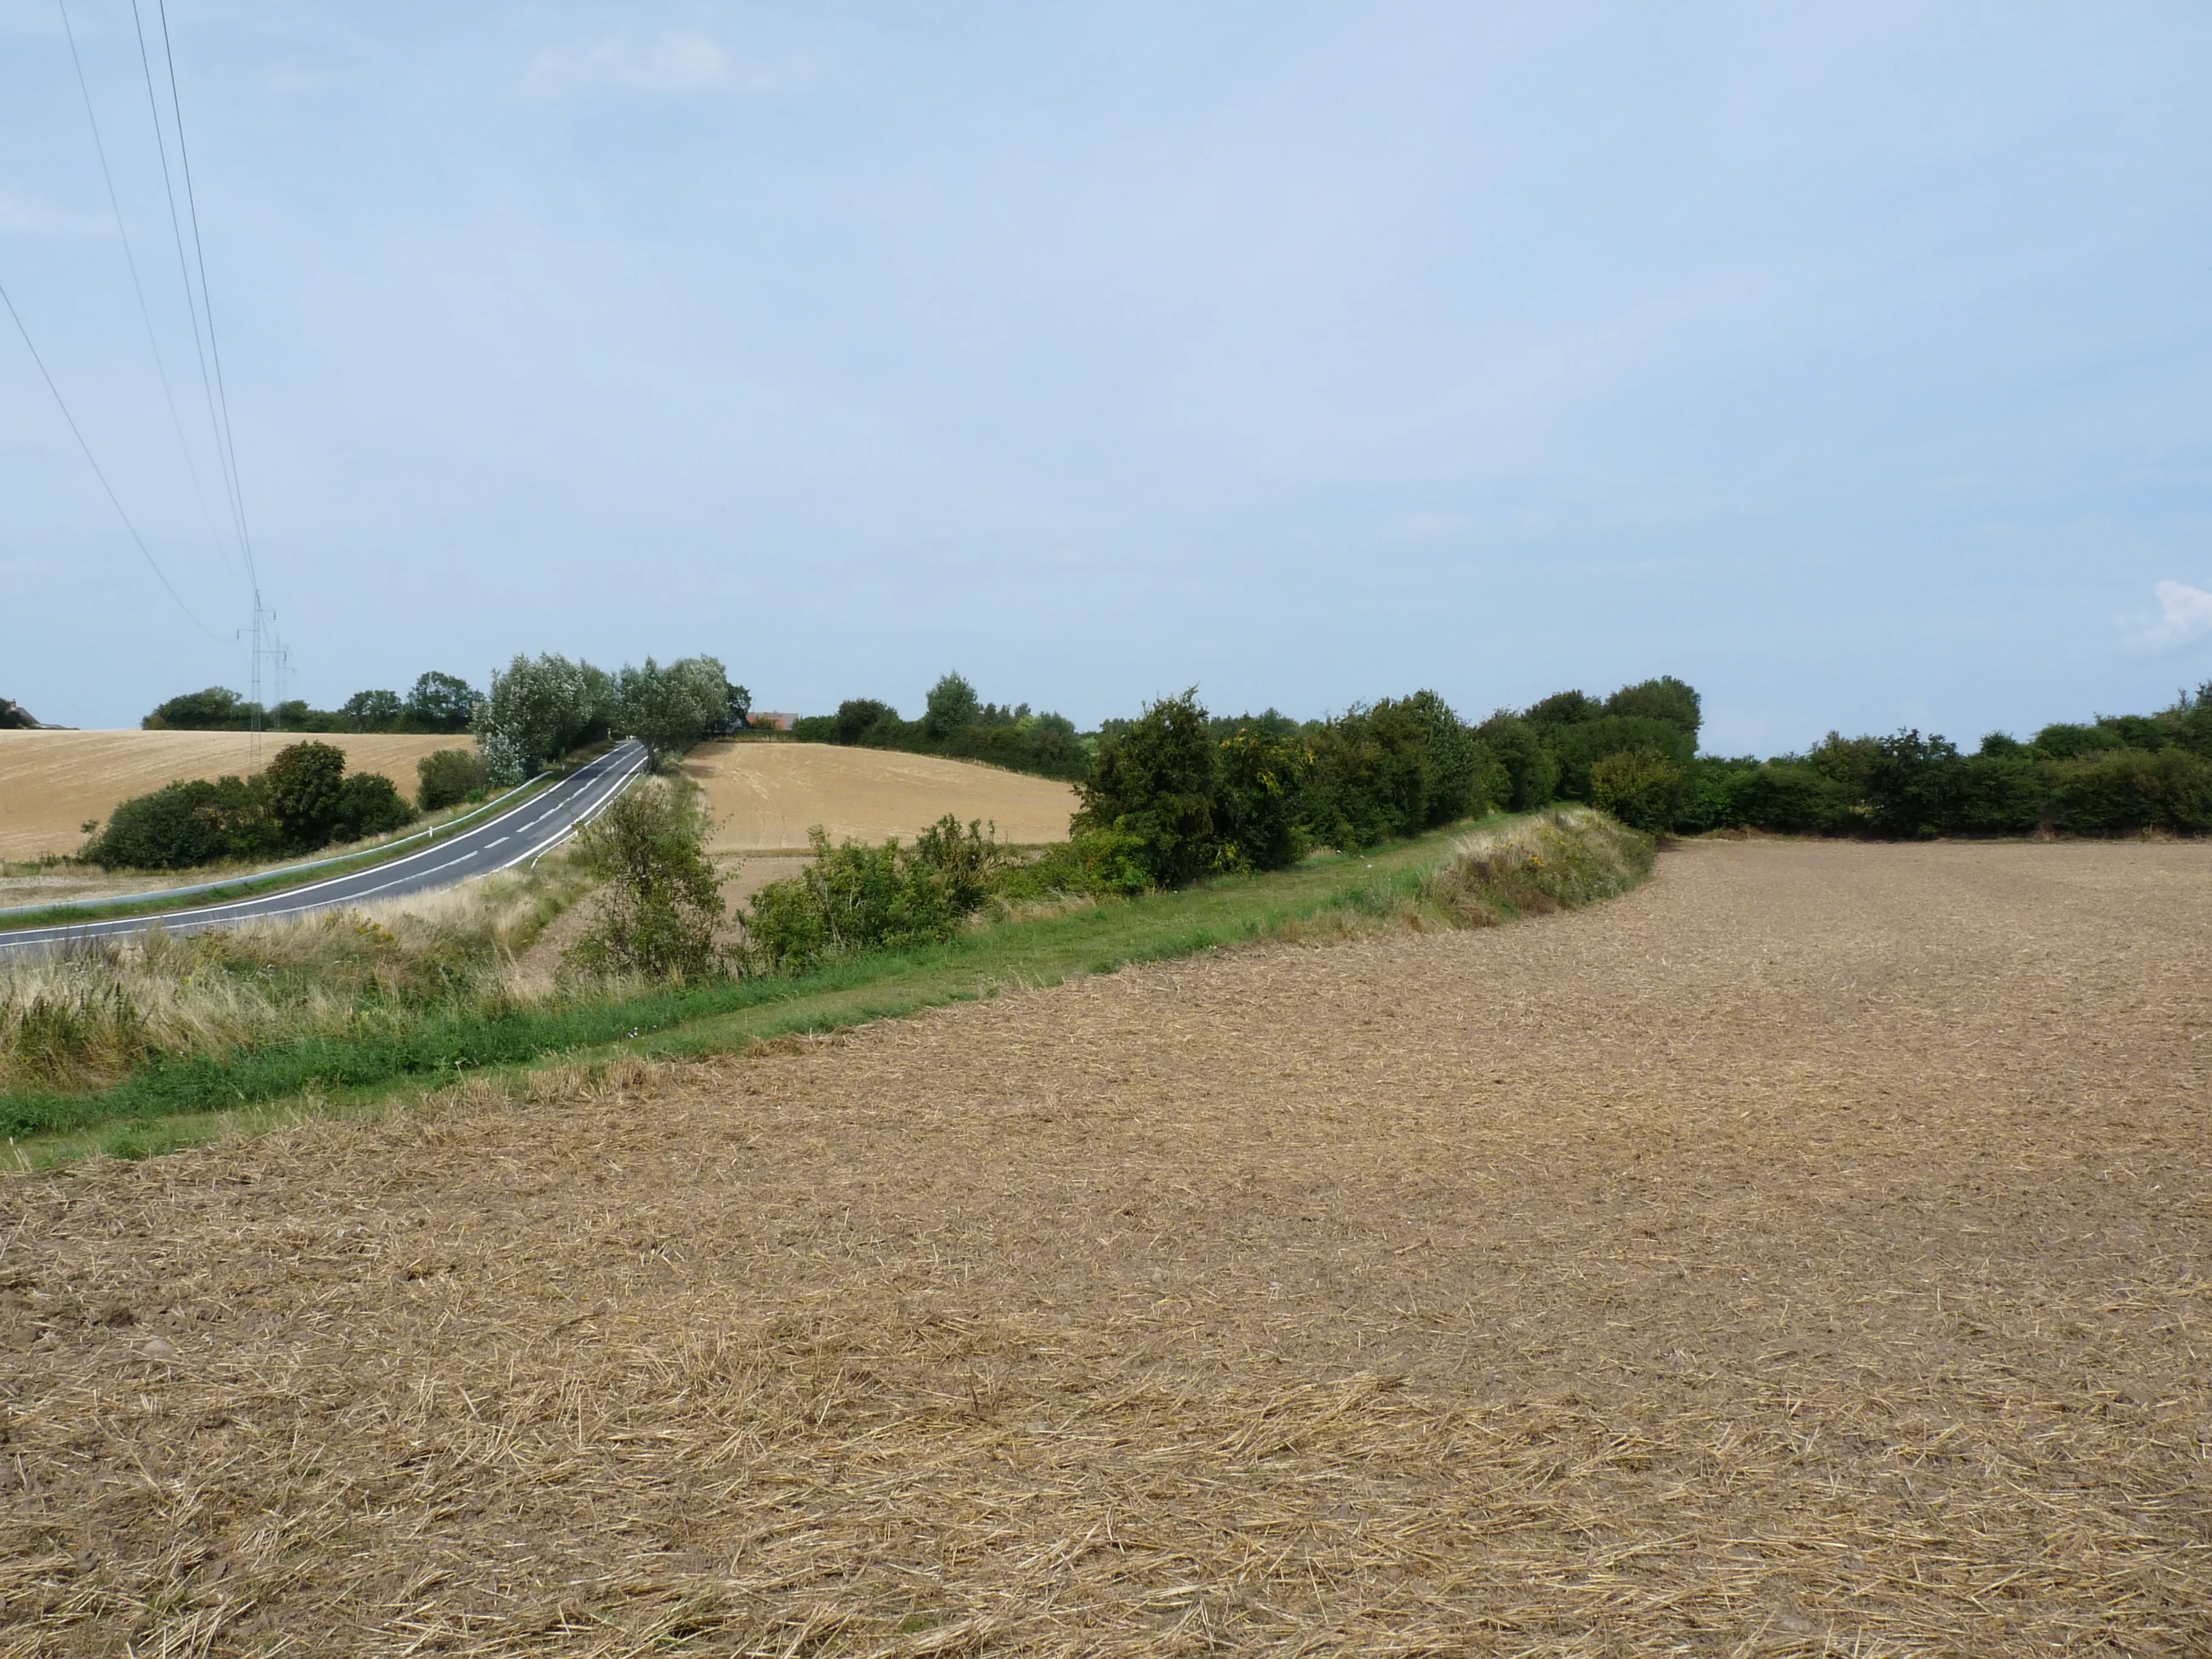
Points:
x=598, y=807
x=62, y=932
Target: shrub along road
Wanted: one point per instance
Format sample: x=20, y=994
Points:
x=507, y=840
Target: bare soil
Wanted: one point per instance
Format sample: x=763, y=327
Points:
x=1809, y=1253
x=52, y=782
x=766, y=796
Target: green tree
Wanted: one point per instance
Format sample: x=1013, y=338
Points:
x=1369, y=777
x=662, y=902
x=1563, y=708
x=373, y=711
x=671, y=709
x=1675, y=702
x=1458, y=775
x=953, y=706
x=304, y=782
x=215, y=709
x=540, y=709
x=1532, y=775
x=858, y=716
x=441, y=702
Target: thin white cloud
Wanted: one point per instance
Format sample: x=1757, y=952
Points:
x=673, y=63
x=23, y=215
x=2184, y=613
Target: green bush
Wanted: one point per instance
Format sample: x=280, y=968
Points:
x=1642, y=787
x=1914, y=787
x=1258, y=784
x=187, y=824
x=1578, y=747
x=369, y=803
x=1792, y=796
x=2124, y=792
x=855, y=898
x=662, y=902
x=1104, y=863
x=1154, y=782
x=448, y=777
x=2000, y=794
x=303, y=784
x=1709, y=789
x=1369, y=781
x=1532, y=775
x=815, y=728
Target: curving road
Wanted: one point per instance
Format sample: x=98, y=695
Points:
x=518, y=834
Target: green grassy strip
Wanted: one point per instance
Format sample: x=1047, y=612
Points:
x=125, y=906
x=1040, y=952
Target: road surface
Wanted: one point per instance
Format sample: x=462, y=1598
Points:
x=517, y=834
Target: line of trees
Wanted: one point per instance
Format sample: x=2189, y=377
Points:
x=1179, y=792
x=1178, y=795
x=543, y=707
x=2115, y=775
x=438, y=703
x=957, y=723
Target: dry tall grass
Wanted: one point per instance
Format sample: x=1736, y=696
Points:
x=87, y=1015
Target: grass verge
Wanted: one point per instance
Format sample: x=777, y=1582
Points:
x=1491, y=873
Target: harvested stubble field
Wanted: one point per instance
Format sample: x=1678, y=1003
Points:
x=51, y=782
x=1807, y=1252
x=765, y=796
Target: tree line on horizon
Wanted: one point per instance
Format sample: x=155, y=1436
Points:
x=1378, y=769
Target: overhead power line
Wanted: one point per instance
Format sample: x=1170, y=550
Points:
x=62, y=403
x=129, y=259
x=207, y=298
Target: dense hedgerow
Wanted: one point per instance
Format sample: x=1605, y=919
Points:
x=2115, y=775
x=957, y=724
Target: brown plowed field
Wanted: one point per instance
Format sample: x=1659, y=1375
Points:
x=1811, y=1253
x=51, y=782
x=767, y=795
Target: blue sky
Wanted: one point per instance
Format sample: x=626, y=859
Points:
x=1854, y=363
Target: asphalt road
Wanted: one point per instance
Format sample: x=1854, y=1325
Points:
x=515, y=835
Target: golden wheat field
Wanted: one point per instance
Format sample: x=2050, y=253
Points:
x=1809, y=1254
x=767, y=795
x=51, y=782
